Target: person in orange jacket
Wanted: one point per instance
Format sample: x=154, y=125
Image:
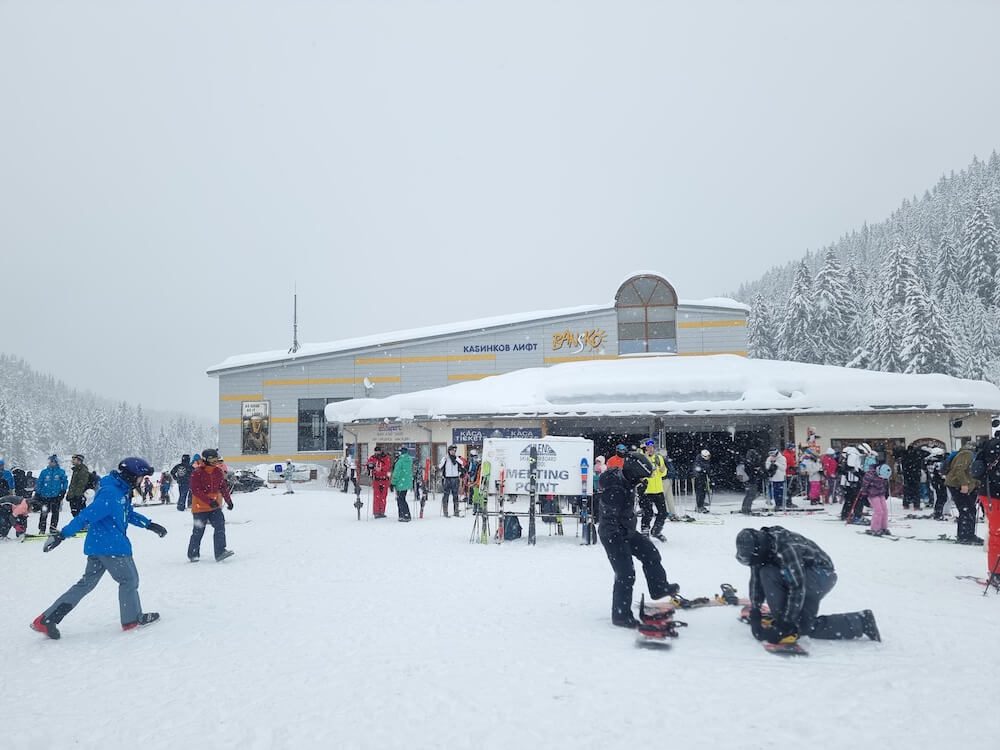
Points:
x=208, y=487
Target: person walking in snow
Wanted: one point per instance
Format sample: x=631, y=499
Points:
x=811, y=468
x=79, y=481
x=380, y=470
x=753, y=470
x=451, y=472
x=963, y=487
x=402, y=480
x=875, y=489
x=792, y=575
x=702, y=482
x=49, y=492
x=166, y=481
x=774, y=469
x=107, y=548
x=653, y=496
x=209, y=488
x=182, y=475
x=622, y=542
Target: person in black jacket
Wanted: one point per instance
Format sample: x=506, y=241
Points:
x=702, y=483
x=617, y=532
x=911, y=464
x=753, y=466
x=792, y=574
x=182, y=475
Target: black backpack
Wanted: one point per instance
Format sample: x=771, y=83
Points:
x=946, y=464
x=985, y=461
x=511, y=527
x=92, y=481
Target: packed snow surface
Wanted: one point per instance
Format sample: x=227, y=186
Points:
x=327, y=632
x=719, y=384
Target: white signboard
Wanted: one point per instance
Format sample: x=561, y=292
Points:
x=560, y=464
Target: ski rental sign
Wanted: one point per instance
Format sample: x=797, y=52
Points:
x=559, y=463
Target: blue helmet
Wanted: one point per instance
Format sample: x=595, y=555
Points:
x=649, y=442
x=132, y=468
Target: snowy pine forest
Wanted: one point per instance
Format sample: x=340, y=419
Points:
x=918, y=293
x=40, y=415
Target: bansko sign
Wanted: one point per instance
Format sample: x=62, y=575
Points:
x=476, y=435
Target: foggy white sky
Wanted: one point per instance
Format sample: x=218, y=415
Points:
x=169, y=170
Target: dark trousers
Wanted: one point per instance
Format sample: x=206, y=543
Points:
x=76, y=504
x=966, y=505
x=700, y=490
x=852, y=506
x=778, y=494
x=8, y=520
x=940, y=498
x=818, y=583
x=184, y=499
x=218, y=521
x=911, y=493
x=622, y=544
x=647, y=503
x=348, y=478
x=53, y=504
x=402, y=507
x=450, y=488
x=752, y=491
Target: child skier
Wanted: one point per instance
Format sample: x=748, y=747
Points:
x=875, y=487
x=107, y=549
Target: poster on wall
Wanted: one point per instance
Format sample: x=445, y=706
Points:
x=256, y=424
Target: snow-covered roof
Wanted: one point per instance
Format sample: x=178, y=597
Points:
x=430, y=332
x=715, y=384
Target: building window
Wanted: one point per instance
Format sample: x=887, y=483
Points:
x=647, y=315
x=315, y=433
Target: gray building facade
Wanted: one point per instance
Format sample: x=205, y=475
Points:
x=271, y=405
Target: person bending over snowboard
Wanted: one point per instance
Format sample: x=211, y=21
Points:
x=793, y=575
x=621, y=540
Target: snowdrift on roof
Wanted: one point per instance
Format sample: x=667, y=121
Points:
x=716, y=384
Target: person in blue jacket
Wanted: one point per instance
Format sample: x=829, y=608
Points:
x=50, y=489
x=6, y=476
x=107, y=549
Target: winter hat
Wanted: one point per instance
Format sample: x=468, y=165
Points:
x=753, y=546
x=705, y=454
x=53, y=459
x=773, y=452
x=196, y=457
x=78, y=456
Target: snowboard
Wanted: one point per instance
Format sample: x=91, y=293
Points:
x=726, y=598
x=657, y=625
x=780, y=649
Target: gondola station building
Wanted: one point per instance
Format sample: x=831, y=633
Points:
x=647, y=364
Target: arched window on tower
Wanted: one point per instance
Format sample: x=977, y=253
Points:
x=647, y=315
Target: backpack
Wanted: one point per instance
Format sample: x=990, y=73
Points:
x=92, y=481
x=511, y=527
x=741, y=473
x=946, y=464
x=980, y=469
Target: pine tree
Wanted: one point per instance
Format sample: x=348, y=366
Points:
x=761, y=331
x=797, y=336
x=831, y=314
x=947, y=265
x=928, y=345
x=979, y=253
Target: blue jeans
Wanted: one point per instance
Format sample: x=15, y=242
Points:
x=778, y=494
x=218, y=521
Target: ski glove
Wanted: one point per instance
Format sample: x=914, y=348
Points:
x=157, y=529
x=780, y=629
x=52, y=542
x=229, y=504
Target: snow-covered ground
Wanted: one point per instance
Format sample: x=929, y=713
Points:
x=324, y=632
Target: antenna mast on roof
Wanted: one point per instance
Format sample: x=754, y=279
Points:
x=295, y=320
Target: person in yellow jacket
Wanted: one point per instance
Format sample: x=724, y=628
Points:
x=656, y=494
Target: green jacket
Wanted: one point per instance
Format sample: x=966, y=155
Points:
x=402, y=472
x=78, y=482
x=958, y=472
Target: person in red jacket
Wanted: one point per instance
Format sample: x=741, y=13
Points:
x=380, y=469
x=208, y=487
x=791, y=473
x=829, y=461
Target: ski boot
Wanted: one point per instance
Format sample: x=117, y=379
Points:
x=870, y=628
x=146, y=618
x=45, y=625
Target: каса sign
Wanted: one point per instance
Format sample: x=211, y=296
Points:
x=476, y=435
x=559, y=464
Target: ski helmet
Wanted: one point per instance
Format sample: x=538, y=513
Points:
x=884, y=471
x=649, y=443
x=620, y=449
x=705, y=454
x=636, y=468
x=210, y=453
x=753, y=546
x=132, y=468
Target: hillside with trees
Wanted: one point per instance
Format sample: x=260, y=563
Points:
x=918, y=293
x=40, y=415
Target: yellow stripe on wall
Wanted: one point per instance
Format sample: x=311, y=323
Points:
x=230, y=420
x=470, y=375
x=242, y=397
x=735, y=323
x=330, y=381
x=709, y=354
x=284, y=420
x=393, y=360
x=579, y=358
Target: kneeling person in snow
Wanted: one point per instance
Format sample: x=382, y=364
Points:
x=621, y=540
x=208, y=486
x=107, y=549
x=793, y=575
